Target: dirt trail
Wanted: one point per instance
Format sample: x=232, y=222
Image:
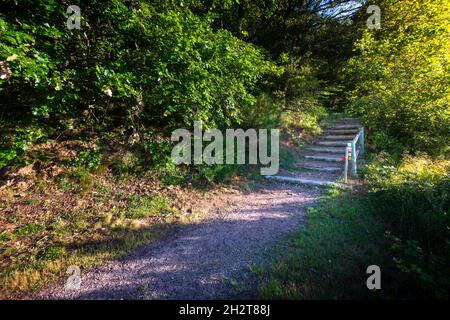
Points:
x=208, y=260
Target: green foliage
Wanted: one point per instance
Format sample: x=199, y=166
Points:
x=415, y=196
x=53, y=253
x=14, y=146
x=415, y=193
x=145, y=206
x=265, y=113
x=307, y=120
x=89, y=159
x=171, y=174
x=145, y=67
x=133, y=68
x=215, y=174
x=402, y=88
x=426, y=269
x=303, y=96
x=29, y=229
x=159, y=151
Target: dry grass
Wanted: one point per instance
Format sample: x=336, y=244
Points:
x=53, y=216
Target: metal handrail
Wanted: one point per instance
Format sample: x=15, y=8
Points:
x=354, y=152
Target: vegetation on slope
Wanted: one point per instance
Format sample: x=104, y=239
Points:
x=398, y=84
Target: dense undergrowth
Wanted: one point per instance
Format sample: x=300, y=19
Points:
x=401, y=92
x=415, y=197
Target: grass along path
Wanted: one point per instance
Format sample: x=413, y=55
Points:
x=329, y=256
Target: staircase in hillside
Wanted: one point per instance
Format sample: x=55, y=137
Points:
x=323, y=161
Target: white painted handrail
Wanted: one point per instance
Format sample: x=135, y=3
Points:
x=352, y=152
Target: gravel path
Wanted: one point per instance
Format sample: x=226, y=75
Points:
x=208, y=260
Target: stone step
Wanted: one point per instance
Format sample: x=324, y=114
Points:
x=346, y=123
x=345, y=126
x=322, y=169
x=319, y=165
x=324, y=157
x=332, y=143
x=337, y=137
x=323, y=160
x=341, y=131
x=338, y=150
x=348, y=120
x=309, y=181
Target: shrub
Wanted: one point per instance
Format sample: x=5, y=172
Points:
x=400, y=77
x=134, y=67
x=414, y=195
x=89, y=159
x=14, y=146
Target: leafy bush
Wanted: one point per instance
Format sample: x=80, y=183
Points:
x=89, y=158
x=401, y=90
x=415, y=196
x=265, y=113
x=14, y=146
x=215, y=174
x=401, y=87
x=424, y=269
x=134, y=67
x=416, y=192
